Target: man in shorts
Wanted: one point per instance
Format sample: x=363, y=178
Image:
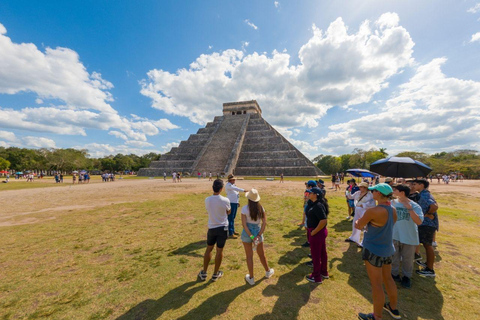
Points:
x=218, y=208
x=426, y=231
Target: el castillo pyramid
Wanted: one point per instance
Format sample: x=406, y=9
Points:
x=239, y=142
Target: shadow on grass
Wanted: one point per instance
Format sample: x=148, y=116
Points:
x=343, y=225
x=291, y=288
x=174, y=299
x=216, y=304
x=424, y=300
x=189, y=249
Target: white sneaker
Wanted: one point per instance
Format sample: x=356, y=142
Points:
x=250, y=281
x=434, y=244
x=269, y=273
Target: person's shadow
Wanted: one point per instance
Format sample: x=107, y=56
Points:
x=216, y=304
x=423, y=300
x=174, y=299
x=190, y=249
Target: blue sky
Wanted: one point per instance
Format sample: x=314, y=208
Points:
x=135, y=77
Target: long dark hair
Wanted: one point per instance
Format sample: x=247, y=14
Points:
x=321, y=198
x=256, y=210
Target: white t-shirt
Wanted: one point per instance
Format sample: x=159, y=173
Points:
x=217, y=207
x=246, y=213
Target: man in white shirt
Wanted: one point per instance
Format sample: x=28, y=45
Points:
x=234, y=197
x=218, y=208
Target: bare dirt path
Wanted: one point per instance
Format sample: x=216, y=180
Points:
x=17, y=206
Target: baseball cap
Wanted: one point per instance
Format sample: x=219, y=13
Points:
x=383, y=188
x=315, y=190
x=311, y=183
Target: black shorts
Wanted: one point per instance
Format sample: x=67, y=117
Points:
x=375, y=260
x=217, y=236
x=425, y=234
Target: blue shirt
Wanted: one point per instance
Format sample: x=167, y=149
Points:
x=405, y=230
x=379, y=240
x=425, y=200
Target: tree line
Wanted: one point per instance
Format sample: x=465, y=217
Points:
x=67, y=160
x=466, y=162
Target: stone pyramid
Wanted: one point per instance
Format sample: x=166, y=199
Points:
x=239, y=142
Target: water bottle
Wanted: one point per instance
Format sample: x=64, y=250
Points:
x=255, y=243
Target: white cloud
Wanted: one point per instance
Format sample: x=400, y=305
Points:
x=39, y=142
x=99, y=150
x=245, y=44
x=140, y=144
x=336, y=68
x=80, y=100
x=475, y=37
x=276, y=4
x=29, y=141
x=431, y=112
x=118, y=135
x=474, y=9
x=251, y=24
x=168, y=146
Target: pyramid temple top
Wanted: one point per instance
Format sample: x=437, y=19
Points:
x=241, y=107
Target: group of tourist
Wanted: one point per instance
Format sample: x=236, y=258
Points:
x=394, y=220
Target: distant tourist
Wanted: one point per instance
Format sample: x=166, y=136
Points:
x=174, y=177
x=389, y=181
x=378, y=251
x=234, y=197
x=316, y=213
x=218, y=209
x=210, y=176
x=337, y=183
x=363, y=200
x=164, y=176
x=426, y=231
x=334, y=178
x=405, y=234
x=74, y=178
x=254, y=221
x=281, y=178
x=351, y=189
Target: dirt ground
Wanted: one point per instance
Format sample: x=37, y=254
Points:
x=25, y=205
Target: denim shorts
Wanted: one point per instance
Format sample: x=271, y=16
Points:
x=254, y=230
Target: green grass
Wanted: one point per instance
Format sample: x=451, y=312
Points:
x=140, y=261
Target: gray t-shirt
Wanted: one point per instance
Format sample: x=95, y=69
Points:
x=217, y=207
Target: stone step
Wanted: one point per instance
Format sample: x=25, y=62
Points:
x=248, y=147
x=268, y=155
x=171, y=164
x=287, y=162
x=259, y=133
x=310, y=171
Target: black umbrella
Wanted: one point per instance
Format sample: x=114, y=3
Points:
x=397, y=167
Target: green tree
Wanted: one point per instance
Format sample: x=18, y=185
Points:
x=4, y=164
x=329, y=164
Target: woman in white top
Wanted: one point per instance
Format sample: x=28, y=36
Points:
x=363, y=200
x=254, y=221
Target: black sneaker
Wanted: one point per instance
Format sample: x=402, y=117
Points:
x=217, y=275
x=306, y=245
x=312, y=279
x=393, y=312
x=397, y=278
x=202, y=275
x=349, y=240
x=310, y=255
x=418, y=256
x=309, y=264
x=366, y=316
x=406, y=282
x=421, y=263
x=426, y=273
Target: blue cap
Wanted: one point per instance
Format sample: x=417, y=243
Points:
x=383, y=188
x=311, y=183
x=315, y=190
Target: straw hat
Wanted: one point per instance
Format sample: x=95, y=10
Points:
x=364, y=184
x=230, y=177
x=253, y=195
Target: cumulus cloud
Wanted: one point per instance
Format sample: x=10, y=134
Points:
x=430, y=112
x=474, y=9
x=276, y=4
x=79, y=100
x=337, y=68
x=169, y=146
x=99, y=150
x=11, y=140
x=475, y=37
x=251, y=24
